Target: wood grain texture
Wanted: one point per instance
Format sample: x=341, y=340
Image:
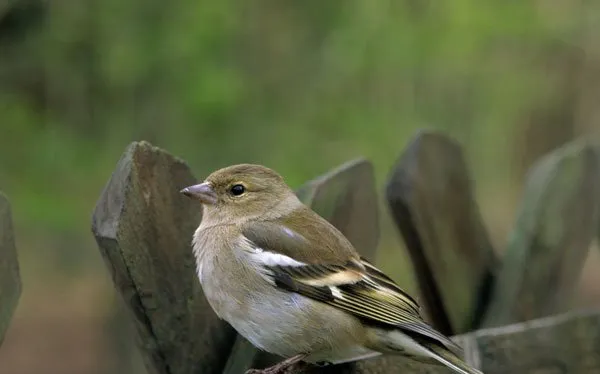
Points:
x=557, y=221
x=143, y=227
x=347, y=198
x=10, y=280
x=431, y=199
x=564, y=344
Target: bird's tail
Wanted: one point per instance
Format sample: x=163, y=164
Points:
x=427, y=350
x=449, y=359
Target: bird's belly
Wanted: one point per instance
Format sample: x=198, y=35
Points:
x=287, y=324
x=291, y=324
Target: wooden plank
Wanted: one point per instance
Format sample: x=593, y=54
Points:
x=559, y=344
x=564, y=344
x=555, y=226
x=431, y=198
x=347, y=198
x=10, y=280
x=143, y=227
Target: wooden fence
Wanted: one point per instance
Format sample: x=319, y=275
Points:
x=143, y=227
x=10, y=281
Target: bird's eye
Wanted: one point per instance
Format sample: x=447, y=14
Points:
x=237, y=189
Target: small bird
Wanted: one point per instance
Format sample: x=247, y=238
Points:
x=293, y=285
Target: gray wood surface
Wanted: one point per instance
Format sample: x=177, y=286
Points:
x=564, y=344
x=143, y=227
x=548, y=246
x=431, y=198
x=10, y=280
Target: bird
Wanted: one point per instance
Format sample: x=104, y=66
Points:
x=293, y=285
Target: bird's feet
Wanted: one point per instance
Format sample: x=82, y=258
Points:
x=280, y=368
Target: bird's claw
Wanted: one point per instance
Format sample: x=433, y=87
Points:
x=280, y=368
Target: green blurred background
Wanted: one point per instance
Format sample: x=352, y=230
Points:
x=300, y=86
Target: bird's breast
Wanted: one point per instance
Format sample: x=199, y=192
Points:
x=273, y=320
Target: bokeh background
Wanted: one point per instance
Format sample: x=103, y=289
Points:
x=300, y=86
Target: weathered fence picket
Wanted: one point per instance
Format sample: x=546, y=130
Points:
x=10, y=280
x=143, y=227
x=431, y=198
x=551, y=238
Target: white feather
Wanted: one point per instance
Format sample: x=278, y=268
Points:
x=276, y=259
x=336, y=292
x=267, y=258
x=198, y=252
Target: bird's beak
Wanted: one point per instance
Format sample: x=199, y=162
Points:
x=203, y=192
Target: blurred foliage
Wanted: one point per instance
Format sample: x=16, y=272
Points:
x=298, y=86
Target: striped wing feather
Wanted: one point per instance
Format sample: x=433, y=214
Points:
x=340, y=278
x=374, y=298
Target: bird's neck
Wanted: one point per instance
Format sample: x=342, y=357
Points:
x=215, y=216
x=282, y=208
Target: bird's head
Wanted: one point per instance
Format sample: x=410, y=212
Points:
x=240, y=192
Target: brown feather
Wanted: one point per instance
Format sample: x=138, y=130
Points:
x=303, y=236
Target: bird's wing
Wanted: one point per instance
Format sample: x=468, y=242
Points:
x=298, y=234
x=351, y=283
